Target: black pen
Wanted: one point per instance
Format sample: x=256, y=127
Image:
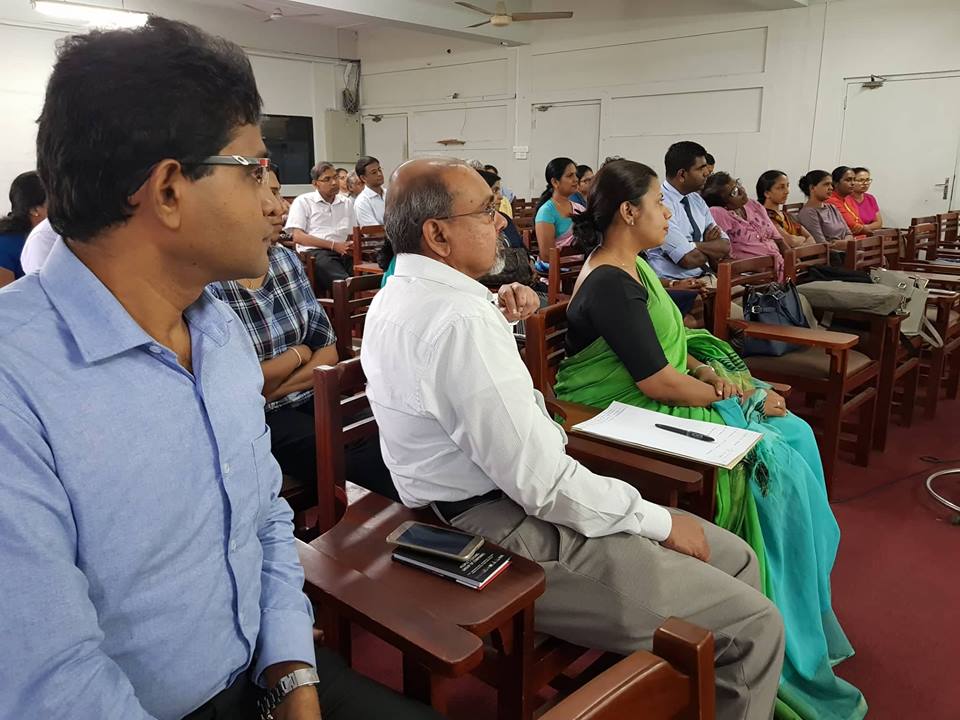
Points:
x=688, y=433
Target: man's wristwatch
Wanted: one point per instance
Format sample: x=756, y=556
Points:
x=287, y=684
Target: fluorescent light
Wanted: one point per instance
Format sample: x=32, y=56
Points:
x=90, y=14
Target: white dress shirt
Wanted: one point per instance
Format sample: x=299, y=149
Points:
x=37, y=247
x=315, y=216
x=369, y=207
x=459, y=416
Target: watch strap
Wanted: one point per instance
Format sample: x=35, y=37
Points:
x=286, y=685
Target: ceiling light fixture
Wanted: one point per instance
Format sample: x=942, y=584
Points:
x=90, y=14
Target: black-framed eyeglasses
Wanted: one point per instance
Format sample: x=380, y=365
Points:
x=259, y=166
x=490, y=211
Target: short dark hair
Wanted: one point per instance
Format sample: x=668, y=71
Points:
x=26, y=193
x=682, y=156
x=616, y=182
x=361, y=167
x=120, y=101
x=321, y=167
x=839, y=172
x=811, y=179
x=491, y=168
x=490, y=177
x=583, y=170
x=766, y=182
x=710, y=160
x=340, y=170
x=858, y=170
x=712, y=192
x=410, y=204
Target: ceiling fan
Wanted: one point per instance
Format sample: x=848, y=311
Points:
x=501, y=18
x=278, y=14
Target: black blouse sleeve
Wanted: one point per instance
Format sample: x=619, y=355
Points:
x=612, y=305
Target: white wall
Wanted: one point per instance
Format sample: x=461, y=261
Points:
x=294, y=63
x=759, y=90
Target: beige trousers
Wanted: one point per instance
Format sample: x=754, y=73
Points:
x=612, y=593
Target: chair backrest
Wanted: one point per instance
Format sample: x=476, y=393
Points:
x=565, y=265
x=922, y=239
x=949, y=224
x=792, y=208
x=366, y=243
x=881, y=248
x=923, y=220
x=351, y=299
x=523, y=208
x=339, y=392
x=524, y=223
x=733, y=278
x=546, y=345
x=797, y=261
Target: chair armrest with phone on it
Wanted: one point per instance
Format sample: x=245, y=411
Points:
x=827, y=339
x=441, y=646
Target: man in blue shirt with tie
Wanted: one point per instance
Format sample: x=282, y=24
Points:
x=148, y=564
x=694, y=242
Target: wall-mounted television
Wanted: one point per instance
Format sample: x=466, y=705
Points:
x=289, y=138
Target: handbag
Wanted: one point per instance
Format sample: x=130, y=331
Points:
x=914, y=289
x=517, y=268
x=872, y=298
x=772, y=304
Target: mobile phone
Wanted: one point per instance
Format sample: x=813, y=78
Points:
x=436, y=540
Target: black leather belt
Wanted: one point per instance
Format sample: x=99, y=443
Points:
x=450, y=510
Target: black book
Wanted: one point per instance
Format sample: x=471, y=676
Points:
x=475, y=572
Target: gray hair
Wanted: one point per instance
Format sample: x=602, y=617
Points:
x=410, y=204
x=317, y=170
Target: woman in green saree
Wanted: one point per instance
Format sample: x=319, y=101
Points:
x=626, y=341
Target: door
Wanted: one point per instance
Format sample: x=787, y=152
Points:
x=385, y=138
x=908, y=133
x=563, y=130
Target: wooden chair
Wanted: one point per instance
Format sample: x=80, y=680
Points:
x=366, y=244
x=565, y=265
x=351, y=299
x=661, y=478
x=354, y=534
x=675, y=680
x=792, y=208
x=827, y=368
x=949, y=224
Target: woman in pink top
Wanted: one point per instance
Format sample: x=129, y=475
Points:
x=866, y=203
x=745, y=221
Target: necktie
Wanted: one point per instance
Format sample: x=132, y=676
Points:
x=697, y=235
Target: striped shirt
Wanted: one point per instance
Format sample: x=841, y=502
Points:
x=281, y=313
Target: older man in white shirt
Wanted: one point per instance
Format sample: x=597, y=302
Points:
x=369, y=204
x=321, y=222
x=462, y=429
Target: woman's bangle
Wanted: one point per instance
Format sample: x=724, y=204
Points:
x=697, y=369
x=299, y=356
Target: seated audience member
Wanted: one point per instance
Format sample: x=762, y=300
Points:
x=745, y=221
x=553, y=224
x=867, y=205
x=354, y=185
x=292, y=335
x=711, y=164
x=844, y=186
x=694, y=242
x=626, y=342
x=463, y=430
x=510, y=232
x=507, y=194
x=321, y=223
x=773, y=189
x=584, y=178
x=149, y=566
x=368, y=207
x=821, y=219
x=342, y=174
x=37, y=246
x=28, y=208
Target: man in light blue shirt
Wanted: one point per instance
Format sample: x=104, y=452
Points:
x=148, y=565
x=694, y=241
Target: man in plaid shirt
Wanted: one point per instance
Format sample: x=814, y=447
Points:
x=292, y=336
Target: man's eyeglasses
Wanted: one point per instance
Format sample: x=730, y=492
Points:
x=490, y=211
x=259, y=166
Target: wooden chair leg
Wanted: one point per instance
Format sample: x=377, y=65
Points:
x=866, y=431
x=933, y=380
x=830, y=440
x=885, y=389
x=908, y=401
x=953, y=378
x=420, y=684
x=516, y=696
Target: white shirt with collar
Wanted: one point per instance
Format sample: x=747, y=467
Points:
x=37, y=247
x=369, y=207
x=326, y=220
x=458, y=414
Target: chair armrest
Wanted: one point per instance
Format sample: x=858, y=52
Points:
x=441, y=646
x=781, y=389
x=826, y=339
x=631, y=463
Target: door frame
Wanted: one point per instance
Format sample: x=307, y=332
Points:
x=535, y=107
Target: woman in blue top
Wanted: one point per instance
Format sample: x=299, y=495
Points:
x=28, y=207
x=554, y=227
x=584, y=178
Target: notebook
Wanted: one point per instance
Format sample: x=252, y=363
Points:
x=476, y=572
x=636, y=427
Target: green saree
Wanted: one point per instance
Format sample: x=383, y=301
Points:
x=775, y=500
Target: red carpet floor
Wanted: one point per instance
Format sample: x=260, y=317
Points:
x=896, y=584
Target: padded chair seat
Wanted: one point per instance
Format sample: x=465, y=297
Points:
x=810, y=363
x=932, y=315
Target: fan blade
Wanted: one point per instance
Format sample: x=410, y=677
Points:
x=285, y=17
x=269, y=19
x=475, y=8
x=252, y=8
x=485, y=22
x=521, y=17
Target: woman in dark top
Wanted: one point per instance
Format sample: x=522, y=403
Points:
x=28, y=208
x=626, y=342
